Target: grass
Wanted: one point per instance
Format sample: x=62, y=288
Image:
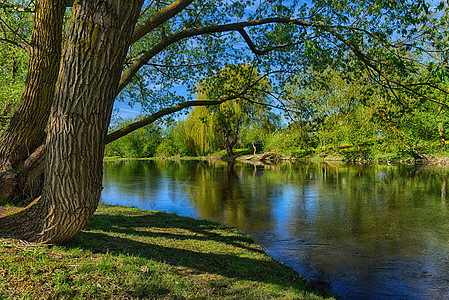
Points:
x=127, y=253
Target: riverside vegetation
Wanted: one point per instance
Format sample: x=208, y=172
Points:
x=363, y=78
x=132, y=253
x=366, y=74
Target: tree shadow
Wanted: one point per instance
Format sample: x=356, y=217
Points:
x=171, y=226
x=131, y=235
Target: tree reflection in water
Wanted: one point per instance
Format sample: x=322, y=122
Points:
x=371, y=231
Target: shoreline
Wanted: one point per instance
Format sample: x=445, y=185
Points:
x=384, y=160
x=132, y=253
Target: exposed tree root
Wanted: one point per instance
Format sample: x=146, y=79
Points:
x=44, y=222
x=25, y=224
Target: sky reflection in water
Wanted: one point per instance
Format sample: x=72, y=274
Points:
x=370, y=232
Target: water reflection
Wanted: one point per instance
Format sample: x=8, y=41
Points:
x=369, y=231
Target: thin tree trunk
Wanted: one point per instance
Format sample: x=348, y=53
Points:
x=441, y=135
x=97, y=44
x=26, y=130
x=228, y=144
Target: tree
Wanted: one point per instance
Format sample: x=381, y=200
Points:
x=175, y=142
x=254, y=136
x=26, y=130
x=13, y=62
x=139, y=143
x=79, y=86
x=341, y=104
x=97, y=43
x=198, y=130
x=227, y=119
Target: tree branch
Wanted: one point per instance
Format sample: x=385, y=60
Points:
x=239, y=27
x=186, y=33
x=159, y=18
x=258, y=52
x=22, y=45
x=249, y=42
x=163, y=112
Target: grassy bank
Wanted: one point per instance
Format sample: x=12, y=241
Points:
x=132, y=253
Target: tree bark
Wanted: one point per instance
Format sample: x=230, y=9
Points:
x=26, y=129
x=97, y=44
x=441, y=135
x=229, y=143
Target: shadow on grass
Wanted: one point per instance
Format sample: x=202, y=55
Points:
x=172, y=226
x=131, y=235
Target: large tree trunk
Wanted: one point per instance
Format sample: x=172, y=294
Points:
x=26, y=130
x=97, y=44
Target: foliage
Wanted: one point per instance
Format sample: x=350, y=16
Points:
x=13, y=60
x=355, y=53
x=200, y=133
x=356, y=118
x=175, y=142
x=217, y=126
x=297, y=140
x=13, y=64
x=140, y=143
x=253, y=137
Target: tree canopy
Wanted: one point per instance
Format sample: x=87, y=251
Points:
x=85, y=54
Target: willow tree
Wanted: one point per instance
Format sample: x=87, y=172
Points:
x=114, y=46
x=200, y=135
x=97, y=43
x=220, y=125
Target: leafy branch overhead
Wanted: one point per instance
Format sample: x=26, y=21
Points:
x=85, y=54
x=318, y=36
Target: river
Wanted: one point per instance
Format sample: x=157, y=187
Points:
x=364, y=231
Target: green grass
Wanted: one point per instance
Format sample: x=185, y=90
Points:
x=127, y=253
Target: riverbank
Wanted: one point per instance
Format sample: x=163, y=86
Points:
x=386, y=159
x=246, y=155
x=132, y=253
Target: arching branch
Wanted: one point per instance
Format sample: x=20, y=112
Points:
x=159, y=18
x=187, y=33
x=240, y=27
x=163, y=112
x=166, y=111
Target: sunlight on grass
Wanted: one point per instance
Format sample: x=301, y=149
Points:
x=132, y=253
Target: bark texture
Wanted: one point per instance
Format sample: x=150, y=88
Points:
x=26, y=130
x=97, y=44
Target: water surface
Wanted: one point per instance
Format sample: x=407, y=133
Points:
x=367, y=232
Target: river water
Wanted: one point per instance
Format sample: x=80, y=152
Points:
x=365, y=232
